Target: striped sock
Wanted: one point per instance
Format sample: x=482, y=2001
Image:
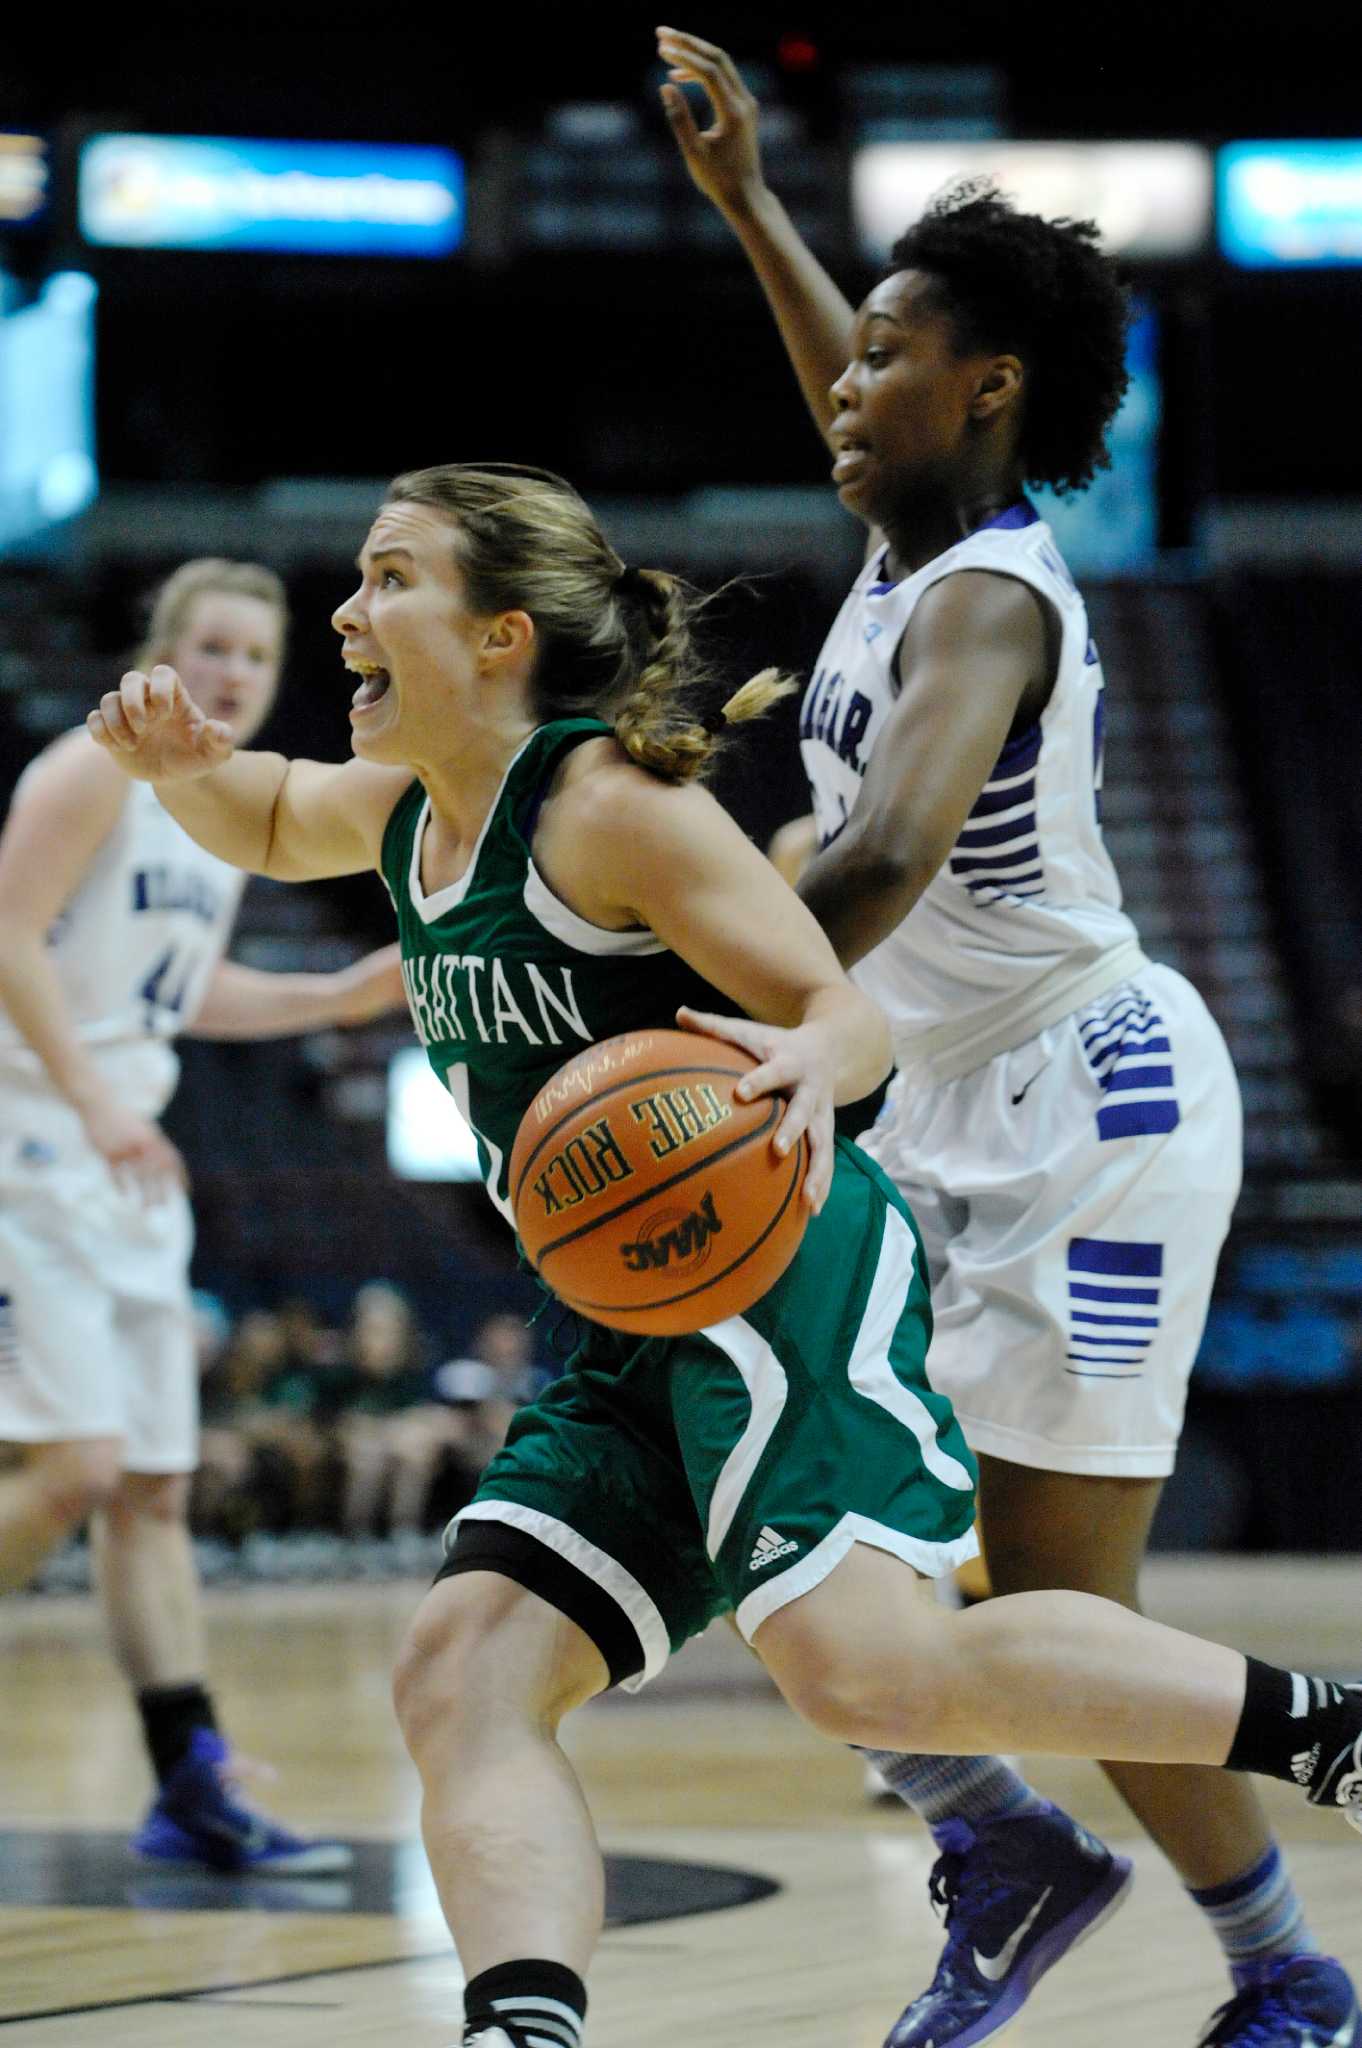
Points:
x=972, y=1788
x=537, y=2004
x=1257, y=1918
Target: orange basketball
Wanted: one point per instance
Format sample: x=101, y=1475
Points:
x=645, y=1196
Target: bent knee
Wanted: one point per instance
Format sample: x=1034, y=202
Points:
x=866, y=1707
x=480, y=1647
x=869, y=1663
x=76, y=1480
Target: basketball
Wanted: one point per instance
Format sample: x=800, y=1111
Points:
x=648, y=1198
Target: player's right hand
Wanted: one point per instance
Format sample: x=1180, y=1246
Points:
x=793, y=1061
x=141, y=1157
x=155, y=731
x=724, y=159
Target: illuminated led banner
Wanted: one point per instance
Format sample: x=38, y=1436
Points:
x=216, y=192
x=1291, y=203
x=1152, y=200
x=23, y=178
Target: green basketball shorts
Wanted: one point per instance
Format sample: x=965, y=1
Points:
x=673, y=1479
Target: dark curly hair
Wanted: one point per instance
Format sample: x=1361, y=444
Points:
x=1045, y=290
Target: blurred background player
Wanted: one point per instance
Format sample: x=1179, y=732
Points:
x=1065, y=1123
x=113, y=924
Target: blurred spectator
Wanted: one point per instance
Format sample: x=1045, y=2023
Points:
x=223, y=1501
x=267, y=1457
x=385, y=1376
x=305, y=1427
x=212, y=1329
x=436, y=1451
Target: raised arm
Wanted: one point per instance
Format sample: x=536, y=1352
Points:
x=295, y=821
x=724, y=160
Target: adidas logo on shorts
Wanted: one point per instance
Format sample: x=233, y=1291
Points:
x=770, y=1546
x=1303, y=1765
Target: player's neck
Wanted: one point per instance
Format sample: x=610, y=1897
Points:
x=919, y=531
x=462, y=790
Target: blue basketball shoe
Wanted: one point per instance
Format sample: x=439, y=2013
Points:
x=1300, y=2002
x=196, y=1820
x=1018, y=1894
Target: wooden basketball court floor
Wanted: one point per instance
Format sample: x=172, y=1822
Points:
x=705, y=1768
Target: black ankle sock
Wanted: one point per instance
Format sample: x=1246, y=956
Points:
x=170, y=1714
x=537, y=2003
x=1294, y=1727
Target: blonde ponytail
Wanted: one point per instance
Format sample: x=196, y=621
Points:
x=656, y=725
x=757, y=695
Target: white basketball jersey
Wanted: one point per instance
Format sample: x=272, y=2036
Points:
x=1028, y=891
x=134, y=948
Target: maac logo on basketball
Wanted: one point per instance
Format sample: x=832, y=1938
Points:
x=677, y=1239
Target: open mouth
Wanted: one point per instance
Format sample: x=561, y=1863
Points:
x=849, y=457
x=373, y=687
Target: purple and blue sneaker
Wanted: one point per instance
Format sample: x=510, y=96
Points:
x=197, y=1820
x=1300, y=2002
x=1017, y=1894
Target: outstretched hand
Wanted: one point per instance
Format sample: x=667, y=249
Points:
x=372, y=986
x=792, y=1063
x=724, y=159
x=155, y=731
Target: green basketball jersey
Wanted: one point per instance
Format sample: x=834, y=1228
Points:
x=506, y=982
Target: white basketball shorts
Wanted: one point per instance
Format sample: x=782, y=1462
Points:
x=96, y=1332
x=1073, y=1195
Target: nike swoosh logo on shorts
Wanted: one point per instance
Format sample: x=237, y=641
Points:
x=1035, y=1077
x=995, y=1968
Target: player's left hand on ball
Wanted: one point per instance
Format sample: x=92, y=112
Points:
x=371, y=987
x=155, y=731
x=793, y=1063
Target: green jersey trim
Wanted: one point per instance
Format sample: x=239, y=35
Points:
x=564, y=923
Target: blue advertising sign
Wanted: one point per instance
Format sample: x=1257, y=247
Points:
x=1290, y=204
x=219, y=192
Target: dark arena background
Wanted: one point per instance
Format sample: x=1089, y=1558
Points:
x=552, y=290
